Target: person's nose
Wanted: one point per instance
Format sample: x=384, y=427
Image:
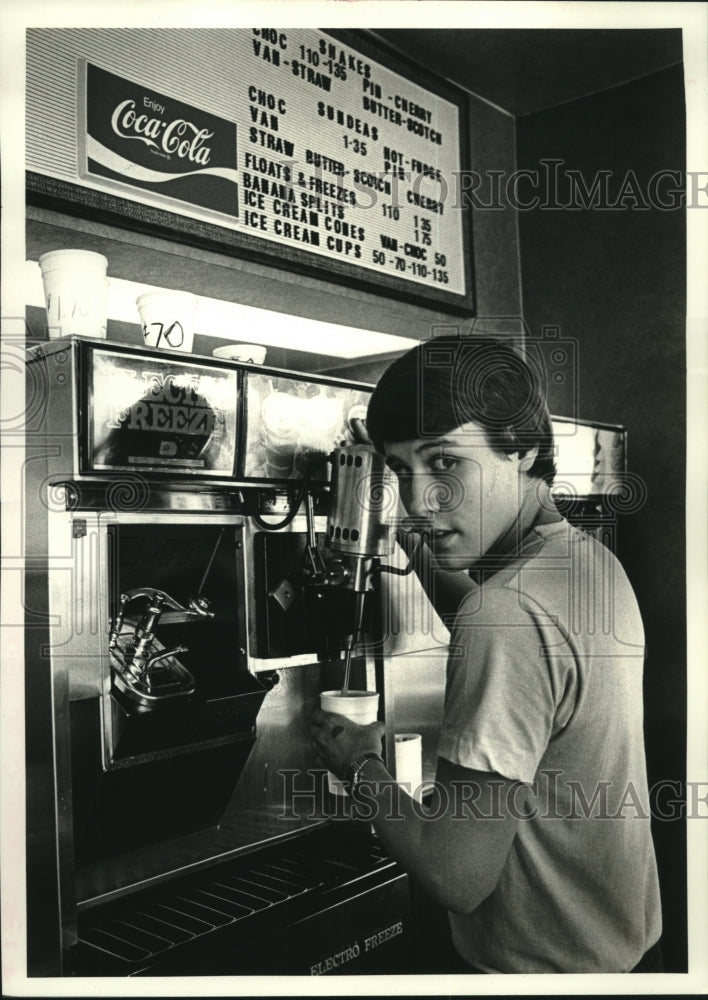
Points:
x=418, y=497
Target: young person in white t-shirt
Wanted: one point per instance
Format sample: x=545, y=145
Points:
x=539, y=841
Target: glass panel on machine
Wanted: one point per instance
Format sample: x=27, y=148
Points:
x=294, y=424
x=153, y=414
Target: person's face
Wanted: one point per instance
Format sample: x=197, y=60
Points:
x=470, y=494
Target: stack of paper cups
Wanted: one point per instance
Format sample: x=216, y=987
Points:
x=409, y=763
x=75, y=292
x=359, y=706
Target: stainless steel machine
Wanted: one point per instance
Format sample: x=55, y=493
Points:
x=204, y=542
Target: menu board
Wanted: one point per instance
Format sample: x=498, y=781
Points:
x=153, y=415
x=321, y=151
x=350, y=159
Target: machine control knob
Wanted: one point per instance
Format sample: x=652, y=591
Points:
x=337, y=573
x=201, y=605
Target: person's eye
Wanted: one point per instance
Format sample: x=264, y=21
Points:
x=402, y=472
x=443, y=463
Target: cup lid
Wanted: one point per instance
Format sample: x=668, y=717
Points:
x=253, y=353
x=350, y=694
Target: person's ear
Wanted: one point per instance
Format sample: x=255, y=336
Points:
x=527, y=458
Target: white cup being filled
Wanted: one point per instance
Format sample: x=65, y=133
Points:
x=167, y=319
x=75, y=293
x=360, y=706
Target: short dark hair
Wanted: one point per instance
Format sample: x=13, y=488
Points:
x=449, y=381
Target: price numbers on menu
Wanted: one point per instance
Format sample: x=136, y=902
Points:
x=349, y=160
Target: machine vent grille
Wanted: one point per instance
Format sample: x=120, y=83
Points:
x=153, y=922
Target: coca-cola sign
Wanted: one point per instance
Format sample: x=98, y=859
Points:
x=137, y=136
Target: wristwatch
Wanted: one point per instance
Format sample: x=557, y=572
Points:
x=352, y=774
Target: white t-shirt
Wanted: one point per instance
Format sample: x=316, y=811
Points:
x=544, y=686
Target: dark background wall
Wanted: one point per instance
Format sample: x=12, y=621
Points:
x=613, y=281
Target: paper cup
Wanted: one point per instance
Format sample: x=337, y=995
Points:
x=75, y=293
x=409, y=763
x=359, y=706
x=168, y=319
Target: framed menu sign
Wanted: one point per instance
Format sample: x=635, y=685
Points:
x=320, y=151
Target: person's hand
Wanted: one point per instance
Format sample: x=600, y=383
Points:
x=337, y=740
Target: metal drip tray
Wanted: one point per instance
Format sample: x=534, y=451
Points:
x=187, y=926
x=167, y=679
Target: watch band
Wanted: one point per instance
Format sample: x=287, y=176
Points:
x=352, y=773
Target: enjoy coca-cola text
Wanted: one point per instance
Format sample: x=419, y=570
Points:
x=178, y=136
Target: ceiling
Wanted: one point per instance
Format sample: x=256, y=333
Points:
x=524, y=71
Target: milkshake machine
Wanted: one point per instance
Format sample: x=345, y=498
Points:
x=203, y=541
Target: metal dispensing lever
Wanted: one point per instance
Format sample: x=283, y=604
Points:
x=353, y=639
x=315, y=568
x=141, y=668
x=140, y=648
x=135, y=662
x=117, y=625
x=198, y=607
